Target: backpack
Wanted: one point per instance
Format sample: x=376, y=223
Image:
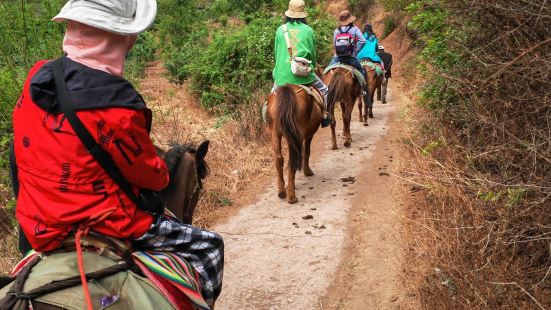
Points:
x=345, y=43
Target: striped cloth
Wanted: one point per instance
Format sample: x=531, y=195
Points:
x=177, y=271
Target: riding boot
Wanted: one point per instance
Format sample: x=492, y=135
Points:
x=326, y=118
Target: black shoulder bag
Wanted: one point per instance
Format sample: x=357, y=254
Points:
x=147, y=200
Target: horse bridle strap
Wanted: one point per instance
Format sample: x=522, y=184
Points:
x=16, y=299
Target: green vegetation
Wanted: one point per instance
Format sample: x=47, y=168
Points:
x=227, y=60
x=389, y=26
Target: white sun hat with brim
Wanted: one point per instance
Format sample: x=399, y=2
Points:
x=125, y=17
x=296, y=9
x=381, y=47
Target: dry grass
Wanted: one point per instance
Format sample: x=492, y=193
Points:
x=480, y=227
x=238, y=154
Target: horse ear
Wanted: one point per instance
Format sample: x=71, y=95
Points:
x=203, y=149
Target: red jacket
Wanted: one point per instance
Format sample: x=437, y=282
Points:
x=60, y=184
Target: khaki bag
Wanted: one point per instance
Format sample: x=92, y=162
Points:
x=123, y=291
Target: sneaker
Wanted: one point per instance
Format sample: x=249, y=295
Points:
x=325, y=122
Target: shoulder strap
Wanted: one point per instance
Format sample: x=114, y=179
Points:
x=288, y=40
x=100, y=155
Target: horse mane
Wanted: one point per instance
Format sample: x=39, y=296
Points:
x=174, y=156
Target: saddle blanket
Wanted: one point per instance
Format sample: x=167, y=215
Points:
x=359, y=76
x=379, y=69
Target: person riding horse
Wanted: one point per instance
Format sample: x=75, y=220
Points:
x=60, y=187
x=354, y=42
x=295, y=42
x=369, y=51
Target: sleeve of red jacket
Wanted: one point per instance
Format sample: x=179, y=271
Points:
x=134, y=152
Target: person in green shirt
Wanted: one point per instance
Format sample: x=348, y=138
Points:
x=303, y=44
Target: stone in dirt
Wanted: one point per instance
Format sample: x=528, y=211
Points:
x=308, y=217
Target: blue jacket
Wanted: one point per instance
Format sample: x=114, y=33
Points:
x=369, y=51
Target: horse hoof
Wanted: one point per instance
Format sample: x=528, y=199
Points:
x=281, y=195
x=347, y=143
x=308, y=173
x=292, y=201
x=370, y=115
x=334, y=147
x=366, y=124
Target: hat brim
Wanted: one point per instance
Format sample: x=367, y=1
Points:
x=146, y=10
x=351, y=19
x=293, y=14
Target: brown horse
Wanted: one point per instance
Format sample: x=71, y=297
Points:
x=187, y=169
x=293, y=114
x=343, y=88
x=373, y=82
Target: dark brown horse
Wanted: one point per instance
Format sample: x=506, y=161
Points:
x=343, y=88
x=187, y=169
x=373, y=82
x=293, y=114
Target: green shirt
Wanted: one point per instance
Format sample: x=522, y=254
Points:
x=304, y=45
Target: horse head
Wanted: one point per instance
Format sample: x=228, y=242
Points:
x=187, y=169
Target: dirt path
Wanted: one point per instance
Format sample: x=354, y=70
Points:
x=277, y=258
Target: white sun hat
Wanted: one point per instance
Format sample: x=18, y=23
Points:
x=126, y=17
x=381, y=47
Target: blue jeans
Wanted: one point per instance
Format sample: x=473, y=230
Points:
x=349, y=60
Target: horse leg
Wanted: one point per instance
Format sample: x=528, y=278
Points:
x=359, y=100
x=333, y=125
x=371, y=104
x=343, y=109
x=306, y=157
x=347, y=118
x=278, y=159
x=291, y=197
x=366, y=112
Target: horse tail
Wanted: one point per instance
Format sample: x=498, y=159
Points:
x=287, y=122
x=337, y=90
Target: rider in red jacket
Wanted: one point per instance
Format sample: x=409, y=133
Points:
x=59, y=185
x=60, y=182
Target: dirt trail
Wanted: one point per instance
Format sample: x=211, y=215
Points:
x=277, y=258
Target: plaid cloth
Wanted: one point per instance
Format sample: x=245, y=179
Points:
x=203, y=249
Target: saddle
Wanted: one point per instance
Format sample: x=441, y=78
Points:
x=315, y=93
x=357, y=74
x=379, y=68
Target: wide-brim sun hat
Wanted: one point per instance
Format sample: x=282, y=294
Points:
x=125, y=17
x=381, y=47
x=296, y=9
x=345, y=18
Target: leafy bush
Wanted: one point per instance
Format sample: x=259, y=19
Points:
x=389, y=24
x=225, y=66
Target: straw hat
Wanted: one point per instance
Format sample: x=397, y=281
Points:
x=296, y=9
x=125, y=17
x=345, y=18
